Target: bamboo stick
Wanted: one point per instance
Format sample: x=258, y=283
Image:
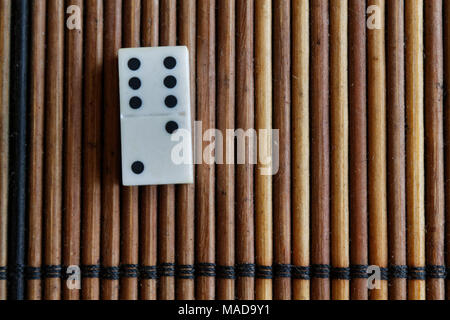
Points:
x=20, y=18
x=339, y=151
x=130, y=195
x=37, y=96
x=358, y=148
x=149, y=194
x=263, y=123
x=226, y=171
x=282, y=122
x=92, y=147
x=300, y=149
x=434, y=141
x=185, y=194
x=320, y=162
x=73, y=123
x=447, y=132
x=166, y=215
x=54, y=151
x=110, y=242
x=206, y=102
x=415, y=166
x=376, y=72
x=245, y=120
x=5, y=24
x=396, y=146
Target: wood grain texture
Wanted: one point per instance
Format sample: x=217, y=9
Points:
x=339, y=145
x=358, y=146
x=73, y=132
x=110, y=242
x=263, y=125
x=447, y=132
x=54, y=144
x=36, y=165
x=5, y=29
x=92, y=145
x=185, y=194
x=149, y=194
x=245, y=120
x=320, y=146
x=434, y=145
x=415, y=164
x=376, y=71
x=166, y=203
x=205, y=182
x=225, y=170
x=396, y=144
x=282, y=122
x=300, y=145
x=129, y=255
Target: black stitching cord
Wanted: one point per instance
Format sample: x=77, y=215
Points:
x=282, y=270
x=166, y=270
x=185, y=271
x=301, y=273
x=436, y=272
x=129, y=271
x=320, y=271
x=384, y=274
x=340, y=273
x=246, y=270
x=52, y=272
x=205, y=269
x=148, y=272
x=110, y=273
x=417, y=273
x=359, y=271
x=226, y=272
x=398, y=272
x=3, y=273
x=264, y=272
x=33, y=273
x=91, y=271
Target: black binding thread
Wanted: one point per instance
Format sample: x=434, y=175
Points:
x=205, y=269
x=246, y=270
x=3, y=273
x=301, y=273
x=148, y=272
x=417, y=273
x=384, y=274
x=359, y=271
x=264, y=272
x=320, y=271
x=110, y=273
x=398, y=272
x=340, y=273
x=129, y=271
x=91, y=271
x=436, y=272
x=52, y=272
x=166, y=270
x=33, y=273
x=226, y=272
x=186, y=271
x=282, y=270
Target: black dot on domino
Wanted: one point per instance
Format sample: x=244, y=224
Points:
x=134, y=64
x=170, y=82
x=135, y=103
x=170, y=63
x=171, y=127
x=137, y=167
x=135, y=83
x=171, y=101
